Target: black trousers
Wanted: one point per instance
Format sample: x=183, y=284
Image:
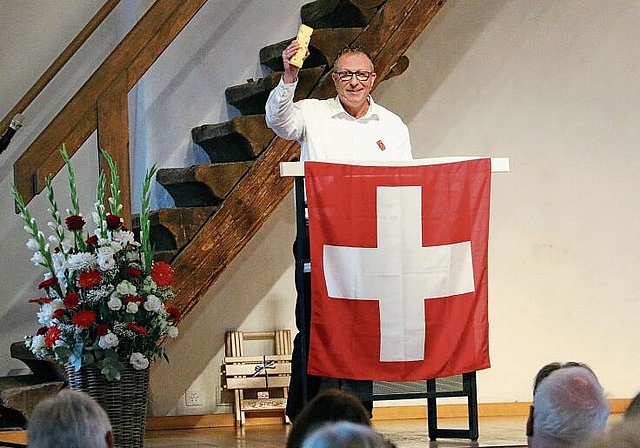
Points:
x=303, y=387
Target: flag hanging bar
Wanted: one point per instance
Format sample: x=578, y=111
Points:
x=498, y=164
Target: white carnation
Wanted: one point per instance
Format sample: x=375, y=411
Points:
x=172, y=331
x=132, y=307
x=125, y=238
x=153, y=303
x=138, y=361
x=106, y=260
x=114, y=302
x=107, y=341
x=45, y=314
x=125, y=288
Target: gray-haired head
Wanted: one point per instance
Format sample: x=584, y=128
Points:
x=569, y=406
x=70, y=419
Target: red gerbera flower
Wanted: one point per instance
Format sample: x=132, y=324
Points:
x=51, y=336
x=89, y=279
x=138, y=328
x=84, y=318
x=48, y=283
x=74, y=222
x=161, y=273
x=71, y=300
x=102, y=330
x=134, y=272
x=113, y=222
x=174, y=313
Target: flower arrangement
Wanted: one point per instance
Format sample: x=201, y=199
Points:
x=104, y=299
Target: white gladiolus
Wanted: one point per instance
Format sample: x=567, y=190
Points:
x=32, y=244
x=138, y=361
x=37, y=258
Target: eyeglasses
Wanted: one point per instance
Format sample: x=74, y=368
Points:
x=346, y=75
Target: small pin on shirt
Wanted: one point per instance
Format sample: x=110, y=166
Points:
x=381, y=145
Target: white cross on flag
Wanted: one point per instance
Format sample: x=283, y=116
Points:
x=399, y=269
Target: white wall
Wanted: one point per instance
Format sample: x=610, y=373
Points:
x=551, y=85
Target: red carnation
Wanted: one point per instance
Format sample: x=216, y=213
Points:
x=161, y=273
x=129, y=299
x=41, y=300
x=113, y=222
x=174, y=313
x=89, y=279
x=134, y=272
x=71, y=300
x=51, y=336
x=74, y=222
x=137, y=328
x=92, y=240
x=102, y=330
x=48, y=283
x=57, y=314
x=42, y=330
x=84, y=318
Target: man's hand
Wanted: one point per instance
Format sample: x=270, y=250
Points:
x=290, y=71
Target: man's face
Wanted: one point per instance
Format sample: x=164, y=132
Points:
x=353, y=93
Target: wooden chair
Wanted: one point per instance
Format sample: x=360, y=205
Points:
x=259, y=383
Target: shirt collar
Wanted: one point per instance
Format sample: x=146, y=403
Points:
x=338, y=110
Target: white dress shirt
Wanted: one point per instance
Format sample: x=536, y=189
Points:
x=327, y=132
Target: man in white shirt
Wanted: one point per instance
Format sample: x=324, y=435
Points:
x=349, y=127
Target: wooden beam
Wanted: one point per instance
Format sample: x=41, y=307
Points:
x=113, y=137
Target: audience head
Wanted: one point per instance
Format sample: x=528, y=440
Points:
x=633, y=411
x=625, y=434
x=569, y=406
x=345, y=435
x=331, y=405
x=71, y=419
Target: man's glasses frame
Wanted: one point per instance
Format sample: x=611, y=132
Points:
x=347, y=75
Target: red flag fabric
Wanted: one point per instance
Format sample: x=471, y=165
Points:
x=398, y=269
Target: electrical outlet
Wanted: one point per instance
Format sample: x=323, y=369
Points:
x=193, y=397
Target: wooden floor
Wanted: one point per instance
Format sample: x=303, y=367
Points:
x=494, y=432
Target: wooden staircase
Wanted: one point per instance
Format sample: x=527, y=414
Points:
x=221, y=205
x=241, y=187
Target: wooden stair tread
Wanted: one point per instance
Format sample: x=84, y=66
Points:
x=251, y=97
x=325, y=44
x=339, y=13
x=240, y=139
x=202, y=185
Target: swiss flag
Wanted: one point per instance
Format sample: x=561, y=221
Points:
x=399, y=269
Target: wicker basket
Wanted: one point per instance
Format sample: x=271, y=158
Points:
x=125, y=401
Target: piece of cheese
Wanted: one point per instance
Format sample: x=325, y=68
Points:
x=304, y=37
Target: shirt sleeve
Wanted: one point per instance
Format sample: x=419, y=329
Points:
x=282, y=115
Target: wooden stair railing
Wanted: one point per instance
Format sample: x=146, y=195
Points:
x=101, y=103
x=395, y=25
